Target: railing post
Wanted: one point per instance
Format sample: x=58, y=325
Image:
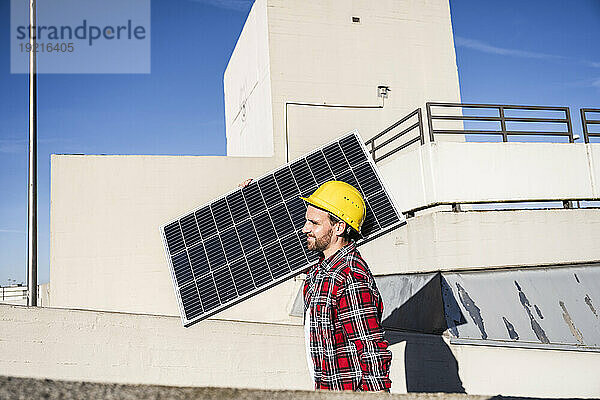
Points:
x=569, y=126
x=586, y=138
x=421, y=135
x=429, y=122
x=503, y=124
x=373, y=150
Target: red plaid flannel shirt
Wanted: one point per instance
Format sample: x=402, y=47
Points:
x=346, y=338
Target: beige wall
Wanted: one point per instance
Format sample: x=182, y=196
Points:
x=443, y=172
x=107, y=253
x=487, y=239
x=317, y=55
x=106, y=250
x=125, y=348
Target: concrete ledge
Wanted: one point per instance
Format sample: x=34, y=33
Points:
x=153, y=350
x=445, y=241
x=12, y=388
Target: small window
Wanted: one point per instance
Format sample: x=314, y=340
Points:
x=356, y=20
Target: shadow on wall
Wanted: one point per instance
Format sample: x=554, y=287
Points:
x=429, y=364
x=419, y=321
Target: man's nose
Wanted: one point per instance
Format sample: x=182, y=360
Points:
x=305, y=228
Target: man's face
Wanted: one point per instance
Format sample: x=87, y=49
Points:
x=318, y=229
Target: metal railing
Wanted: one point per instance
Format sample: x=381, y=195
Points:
x=12, y=294
x=417, y=125
x=585, y=122
x=379, y=141
x=501, y=118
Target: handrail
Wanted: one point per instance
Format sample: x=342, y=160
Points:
x=585, y=122
x=501, y=118
x=420, y=137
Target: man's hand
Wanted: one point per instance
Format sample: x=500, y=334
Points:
x=245, y=183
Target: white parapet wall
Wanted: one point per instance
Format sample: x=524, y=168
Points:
x=444, y=172
x=142, y=349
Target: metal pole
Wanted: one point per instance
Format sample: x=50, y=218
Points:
x=32, y=189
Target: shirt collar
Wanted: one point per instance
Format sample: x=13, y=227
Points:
x=341, y=253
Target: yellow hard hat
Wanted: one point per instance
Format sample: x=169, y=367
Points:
x=340, y=199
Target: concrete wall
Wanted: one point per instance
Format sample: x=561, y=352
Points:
x=107, y=254
x=105, y=247
x=124, y=348
x=247, y=87
x=445, y=172
x=319, y=57
x=487, y=239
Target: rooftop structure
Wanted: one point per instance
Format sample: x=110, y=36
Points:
x=490, y=288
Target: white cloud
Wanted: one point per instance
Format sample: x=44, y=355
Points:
x=488, y=48
x=596, y=83
x=10, y=231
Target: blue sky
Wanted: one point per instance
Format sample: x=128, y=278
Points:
x=543, y=52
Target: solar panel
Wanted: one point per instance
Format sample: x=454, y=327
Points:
x=250, y=239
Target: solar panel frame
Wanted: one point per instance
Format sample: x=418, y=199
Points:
x=260, y=206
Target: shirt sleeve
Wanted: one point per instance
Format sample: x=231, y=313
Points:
x=358, y=311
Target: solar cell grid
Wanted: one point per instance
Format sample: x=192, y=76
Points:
x=353, y=150
x=276, y=260
x=250, y=239
x=181, y=265
x=208, y=292
x=381, y=206
x=370, y=224
x=241, y=275
x=335, y=158
x=214, y=251
x=269, y=190
x=253, y=198
x=221, y=214
x=225, y=285
x=264, y=228
x=319, y=167
x=294, y=253
x=191, y=301
x=367, y=179
x=191, y=234
x=258, y=268
x=281, y=220
x=207, y=224
x=285, y=182
x=231, y=245
x=302, y=175
x=198, y=259
x=247, y=236
x=237, y=206
x=174, y=238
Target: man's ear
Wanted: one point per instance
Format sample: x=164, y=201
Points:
x=340, y=228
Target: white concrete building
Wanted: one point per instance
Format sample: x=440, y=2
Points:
x=478, y=299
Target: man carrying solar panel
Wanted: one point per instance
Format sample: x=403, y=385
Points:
x=343, y=307
x=345, y=347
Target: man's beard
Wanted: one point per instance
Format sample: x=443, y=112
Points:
x=319, y=244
